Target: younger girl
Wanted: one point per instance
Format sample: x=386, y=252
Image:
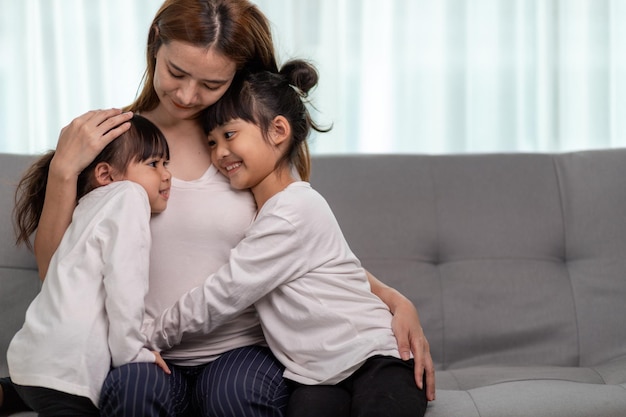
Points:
x=88, y=314
x=313, y=298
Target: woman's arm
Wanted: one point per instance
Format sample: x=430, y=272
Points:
x=409, y=333
x=79, y=143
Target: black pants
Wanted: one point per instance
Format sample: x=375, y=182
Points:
x=51, y=403
x=12, y=401
x=383, y=386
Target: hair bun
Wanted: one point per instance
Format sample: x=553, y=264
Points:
x=300, y=74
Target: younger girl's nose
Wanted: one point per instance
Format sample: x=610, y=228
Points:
x=166, y=175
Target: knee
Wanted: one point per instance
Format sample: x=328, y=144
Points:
x=131, y=387
x=246, y=382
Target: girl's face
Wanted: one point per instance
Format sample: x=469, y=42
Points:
x=154, y=177
x=241, y=153
x=189, y=78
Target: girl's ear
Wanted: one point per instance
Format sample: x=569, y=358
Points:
x=281, y=130
x=103, y=173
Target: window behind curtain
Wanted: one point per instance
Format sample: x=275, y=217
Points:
x=416, y=76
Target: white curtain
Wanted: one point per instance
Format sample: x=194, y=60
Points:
x=61, y=58
x=419, y=76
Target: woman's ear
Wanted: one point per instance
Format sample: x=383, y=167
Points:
x=281, y=130
x=103, y=173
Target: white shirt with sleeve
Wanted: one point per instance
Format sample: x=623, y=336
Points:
x=313, y=298
x=88, y=314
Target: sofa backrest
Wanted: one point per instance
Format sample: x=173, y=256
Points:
x=19, y=280
x=511, y=259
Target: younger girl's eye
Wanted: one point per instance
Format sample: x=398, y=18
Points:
x=153, y=163
x=211, y=143
x=229, y=135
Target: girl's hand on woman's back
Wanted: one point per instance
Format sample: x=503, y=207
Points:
x=84, y=138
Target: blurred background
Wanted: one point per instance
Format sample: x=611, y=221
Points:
x=396, y=76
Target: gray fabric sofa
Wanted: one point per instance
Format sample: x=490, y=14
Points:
x=516, y=262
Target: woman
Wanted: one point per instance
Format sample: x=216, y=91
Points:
x=195, y=50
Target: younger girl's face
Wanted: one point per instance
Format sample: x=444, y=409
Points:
x=153, y=175
x=189, y=78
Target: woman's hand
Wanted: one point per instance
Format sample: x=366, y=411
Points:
x=79, y=144
x=84, y=138
x=161, y=362
x=411, y=340
x=409, y=334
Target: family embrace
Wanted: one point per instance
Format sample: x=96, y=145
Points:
x=217, y=277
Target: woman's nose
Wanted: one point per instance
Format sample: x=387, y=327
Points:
x=188, y=94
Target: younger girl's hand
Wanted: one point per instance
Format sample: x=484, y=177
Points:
x=161, y=363
x=84, y=138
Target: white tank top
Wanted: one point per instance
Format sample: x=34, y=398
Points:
x=204, y=220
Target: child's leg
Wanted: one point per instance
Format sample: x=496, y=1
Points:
x=385, y=386
x=9, y=399
x=51, y=403
x=319, y=400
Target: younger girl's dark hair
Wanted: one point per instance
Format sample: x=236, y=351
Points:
x=141, y=142
x=261, y=96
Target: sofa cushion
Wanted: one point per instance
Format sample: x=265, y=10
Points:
x=19, y=282
x=512, y=259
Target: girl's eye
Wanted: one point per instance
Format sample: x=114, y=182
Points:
x=211, y=143
x=211, y=88
x=155, y=163
x=229, y=135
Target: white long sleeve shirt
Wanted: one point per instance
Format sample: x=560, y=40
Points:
x=88, y=314
x=313, y=298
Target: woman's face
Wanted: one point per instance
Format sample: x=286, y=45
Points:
x=189, y=78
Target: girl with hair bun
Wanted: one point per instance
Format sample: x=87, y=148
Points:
x=313, y=298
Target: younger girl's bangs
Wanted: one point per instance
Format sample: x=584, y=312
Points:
x=147, y=141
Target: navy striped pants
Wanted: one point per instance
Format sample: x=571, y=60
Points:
x=245, y=382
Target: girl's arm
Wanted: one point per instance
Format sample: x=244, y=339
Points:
x=261, y=262
x=124, y=236
x=79, y=143
x=409, y=333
